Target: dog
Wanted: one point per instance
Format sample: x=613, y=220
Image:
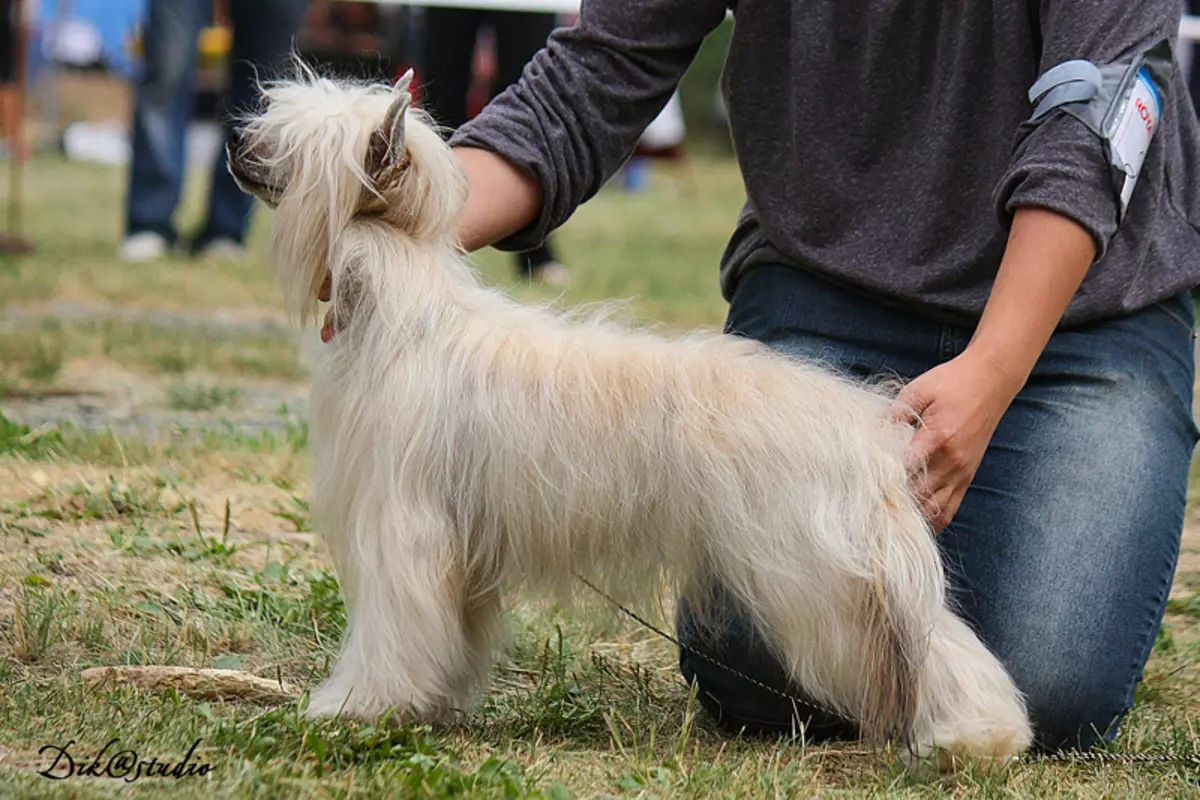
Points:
x=466, y=444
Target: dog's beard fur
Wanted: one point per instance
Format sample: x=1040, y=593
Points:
x=466, y=444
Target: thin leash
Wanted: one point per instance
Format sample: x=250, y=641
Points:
x=1093, y=756
x=793, y=699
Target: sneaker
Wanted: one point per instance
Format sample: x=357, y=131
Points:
x=222, y=249
x=142, y=247
x=551, y=273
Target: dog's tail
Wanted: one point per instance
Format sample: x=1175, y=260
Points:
x=905, y=591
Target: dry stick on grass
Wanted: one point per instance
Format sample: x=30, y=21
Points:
x=205, y=684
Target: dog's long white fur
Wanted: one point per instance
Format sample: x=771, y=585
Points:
x=465, y=444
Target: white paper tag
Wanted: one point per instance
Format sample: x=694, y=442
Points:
x=1131, y=138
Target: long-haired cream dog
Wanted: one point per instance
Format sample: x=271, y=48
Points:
x=466, y=443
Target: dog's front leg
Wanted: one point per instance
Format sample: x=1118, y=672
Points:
x=406, y=647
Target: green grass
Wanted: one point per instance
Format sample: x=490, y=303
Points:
x=198, y=397
x=195, y=547
x=660, y=250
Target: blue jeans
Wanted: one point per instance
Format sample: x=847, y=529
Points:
x=1064, y=549
x=263, y=32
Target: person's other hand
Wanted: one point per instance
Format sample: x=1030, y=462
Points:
x=959, y=403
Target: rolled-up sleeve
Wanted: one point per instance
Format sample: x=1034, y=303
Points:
x=1058, y=163
x=585, y=99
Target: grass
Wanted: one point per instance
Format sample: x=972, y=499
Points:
x=193, y=397
x=194, y=546
x=37, y=351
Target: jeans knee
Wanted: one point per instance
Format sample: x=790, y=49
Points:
x=1073, y=711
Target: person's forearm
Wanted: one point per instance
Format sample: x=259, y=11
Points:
x=503, y=199
x=1045, y=262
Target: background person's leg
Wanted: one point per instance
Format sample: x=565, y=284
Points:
x=264, y=33
x=162, y=111
x=519, y=36
x=450, y=35
x=10, y=97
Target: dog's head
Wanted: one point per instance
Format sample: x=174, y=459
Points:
x=323, y=153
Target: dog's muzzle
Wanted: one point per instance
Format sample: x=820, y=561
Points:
x=247, y=171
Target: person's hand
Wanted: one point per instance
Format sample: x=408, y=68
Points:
x=503, y=199
x=960, y=403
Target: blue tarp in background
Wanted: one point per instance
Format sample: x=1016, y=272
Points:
x=114, y=21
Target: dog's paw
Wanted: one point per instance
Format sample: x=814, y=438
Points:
x=329, y=701
x=950, y=749
x=335, y=700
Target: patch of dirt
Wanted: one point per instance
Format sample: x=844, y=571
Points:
x=228, y=320
x=1189, y=551
x=88, y=96
x=94, y=394
x=98, y=395
x=22, y=761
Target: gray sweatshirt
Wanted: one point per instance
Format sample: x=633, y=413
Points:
x=884, y=144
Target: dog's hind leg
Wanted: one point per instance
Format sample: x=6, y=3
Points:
x=864, y=629
x=970, y=706
x=966, y=705
x=847, y=623
x=406, y=644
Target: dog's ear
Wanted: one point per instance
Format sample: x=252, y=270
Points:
x=393, y=122
x=388, y=153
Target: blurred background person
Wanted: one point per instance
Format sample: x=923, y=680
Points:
x=446, y=76
x=358, y=40
x=10, y=97
x=664, y=139
x=263, y=35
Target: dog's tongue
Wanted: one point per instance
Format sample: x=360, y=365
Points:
x=327, y=329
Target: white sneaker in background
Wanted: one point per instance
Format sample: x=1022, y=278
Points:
x=222, y=249
x=551, y=273
x=142, y=247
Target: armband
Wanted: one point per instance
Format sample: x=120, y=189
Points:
x=1120, y=103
